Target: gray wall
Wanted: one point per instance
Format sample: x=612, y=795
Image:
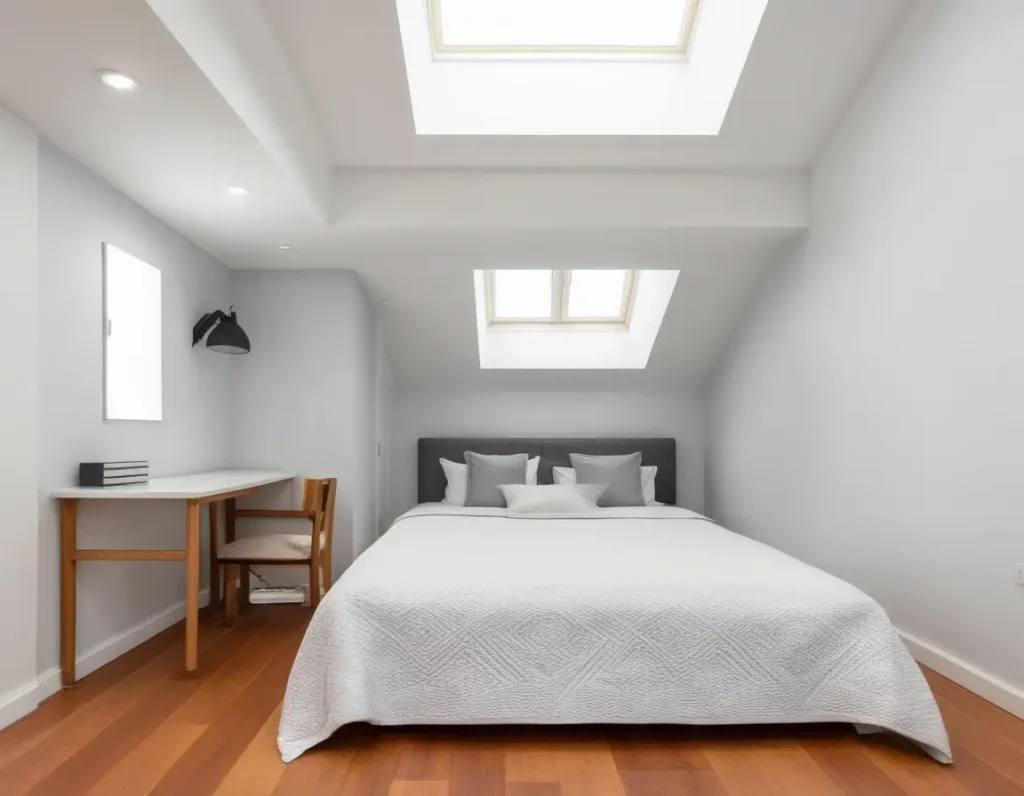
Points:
x=78, y=212
x=305, y=398
x=869, y=419
x=424, y=413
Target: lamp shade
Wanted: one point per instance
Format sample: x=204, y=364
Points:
x=228, y=337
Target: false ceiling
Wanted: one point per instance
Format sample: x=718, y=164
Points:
x=306, y=104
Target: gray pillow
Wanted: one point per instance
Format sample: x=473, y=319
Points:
x=621, y=474
x=486, y=473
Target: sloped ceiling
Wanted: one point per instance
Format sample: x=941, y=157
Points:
x=718, y=272
x=304, y=102
x=808, y=57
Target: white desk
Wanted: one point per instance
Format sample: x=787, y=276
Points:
x=195, y=490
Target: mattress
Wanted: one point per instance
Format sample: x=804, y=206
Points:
x=630, y=615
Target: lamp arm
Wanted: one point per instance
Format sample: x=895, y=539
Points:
x=205, y=324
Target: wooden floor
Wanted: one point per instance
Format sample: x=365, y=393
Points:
x=140, y=726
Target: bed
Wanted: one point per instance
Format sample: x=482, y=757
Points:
x=649, y=614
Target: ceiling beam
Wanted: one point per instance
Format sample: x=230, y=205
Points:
x=232, y=42
x=453, y=200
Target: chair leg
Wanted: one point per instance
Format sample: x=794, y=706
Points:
x=243, y=597
x=314, y=585
x=325, y=560
x=230, y=594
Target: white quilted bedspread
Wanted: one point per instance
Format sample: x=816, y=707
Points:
x=645, y=615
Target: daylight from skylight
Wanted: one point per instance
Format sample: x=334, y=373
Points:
x=572, y=319
x=574, y=67
x=522, y=295
x=598, y=294
x=528, y=297
x=591, y=25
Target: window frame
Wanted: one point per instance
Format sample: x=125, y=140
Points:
x=680, y=49
x=561, y=283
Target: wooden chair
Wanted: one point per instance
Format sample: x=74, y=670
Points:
x=283, y=549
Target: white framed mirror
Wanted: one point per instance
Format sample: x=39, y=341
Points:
x=133, y=347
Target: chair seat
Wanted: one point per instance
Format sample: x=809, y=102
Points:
x=277, y=547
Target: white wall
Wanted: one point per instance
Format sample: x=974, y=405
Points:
x=870, y=417
x=304, y=399
x=427, y=413
x=362, y=438
x=385, y=418
x=78, y=212
x=19, y=393
x=307, y=398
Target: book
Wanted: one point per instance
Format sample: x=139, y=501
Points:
x=126, y=473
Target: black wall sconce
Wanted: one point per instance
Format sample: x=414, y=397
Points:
x=227, y=336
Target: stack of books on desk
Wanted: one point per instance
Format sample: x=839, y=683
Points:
x=113, y=473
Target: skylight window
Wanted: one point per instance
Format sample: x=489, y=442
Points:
x=574, y=67
x=528, y=298
x=541, y=27
x=521, y=295
x=569, y=320
x=601, y=295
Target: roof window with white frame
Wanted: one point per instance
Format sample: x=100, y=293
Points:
x=574, y=67
x=561, y=299
x=539, y=29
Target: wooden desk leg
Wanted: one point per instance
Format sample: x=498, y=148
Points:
x=214, y=567
x=193, y=522
x=68, y=587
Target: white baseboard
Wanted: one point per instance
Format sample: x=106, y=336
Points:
x=999, y=692
x=17, y=703
x=23, y=700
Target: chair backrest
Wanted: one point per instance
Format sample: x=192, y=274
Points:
x=320, y=494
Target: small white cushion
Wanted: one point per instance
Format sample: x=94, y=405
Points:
x=277, y=546
x=551, y=498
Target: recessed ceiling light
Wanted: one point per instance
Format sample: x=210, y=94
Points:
x=118, y=80
x=236, y=190
x=284, y=247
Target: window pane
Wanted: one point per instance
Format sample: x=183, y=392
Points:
x=596, y=294
x=522, y=294
x=133, y=343
x=565, y=23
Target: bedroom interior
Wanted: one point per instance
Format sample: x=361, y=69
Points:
x=629, y=390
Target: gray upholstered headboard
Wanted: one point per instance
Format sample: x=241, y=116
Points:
x=553, y=453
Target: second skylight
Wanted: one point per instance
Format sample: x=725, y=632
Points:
x=527, y=298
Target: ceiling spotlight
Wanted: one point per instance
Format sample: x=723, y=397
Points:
x=118, y=80
x=236, y=190
x=284, y=247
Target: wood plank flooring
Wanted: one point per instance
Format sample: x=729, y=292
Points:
x=140, y=726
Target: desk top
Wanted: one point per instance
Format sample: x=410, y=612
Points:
x=180, y=487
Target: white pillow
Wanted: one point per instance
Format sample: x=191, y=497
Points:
x=551, y=498
x=457, y=475
x=567, y=475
